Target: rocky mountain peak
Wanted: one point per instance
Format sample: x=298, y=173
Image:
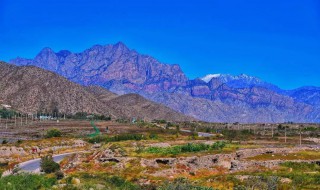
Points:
x=63, y=53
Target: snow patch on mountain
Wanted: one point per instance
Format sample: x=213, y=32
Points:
x=208, y=77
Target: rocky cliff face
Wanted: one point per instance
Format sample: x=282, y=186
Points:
x=215, y=97
x=109, y=65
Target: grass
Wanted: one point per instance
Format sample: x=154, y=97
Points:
x=26, y=182
x=302, y=155
x=303, y=176
x=302, y=167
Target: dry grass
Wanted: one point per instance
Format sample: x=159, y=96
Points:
x=302, y=155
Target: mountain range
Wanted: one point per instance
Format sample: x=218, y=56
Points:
x=214, y=98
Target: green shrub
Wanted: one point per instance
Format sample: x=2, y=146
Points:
x=59, y=174
x=153, y=136
x=47, y=164
x=118, y=183
x=4, y=141
x=218, y=145
x=53, y=133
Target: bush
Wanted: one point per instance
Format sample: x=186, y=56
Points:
x=53, y=133
x=119, y=183
x=59, y=174
x=153, y=136
x=48, y=165
x=218, y=145
x=4, y=141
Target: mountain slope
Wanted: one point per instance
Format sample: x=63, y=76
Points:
x=127, y=104
x=101, y=93
x=30, y=89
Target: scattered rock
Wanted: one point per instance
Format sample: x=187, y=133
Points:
x=75, y=181
x=285, y=180
x=79, y=143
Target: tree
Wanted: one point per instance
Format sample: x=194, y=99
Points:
x=230, y=134
x=53, y=133
x=54, y=108
x=48, y=165
x=177, y=129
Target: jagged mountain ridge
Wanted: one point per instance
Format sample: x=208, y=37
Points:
x=234, y=98
x=30, y=89
x=104, y=65
x=240, y=81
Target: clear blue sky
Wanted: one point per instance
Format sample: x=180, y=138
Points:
x=276, y=40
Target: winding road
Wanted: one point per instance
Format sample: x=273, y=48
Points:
x=34, y=165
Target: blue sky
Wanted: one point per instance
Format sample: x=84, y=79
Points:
x=278, y=41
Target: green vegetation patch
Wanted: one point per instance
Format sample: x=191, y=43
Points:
x=116, y=138
x=26, y=182
x=190, y=147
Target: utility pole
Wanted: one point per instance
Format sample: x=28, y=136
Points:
x=300, y=135
x=285, y=134
x=21, y=119
x=272, y=130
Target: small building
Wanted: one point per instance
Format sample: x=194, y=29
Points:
x=5, y=106
x=43, y=117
